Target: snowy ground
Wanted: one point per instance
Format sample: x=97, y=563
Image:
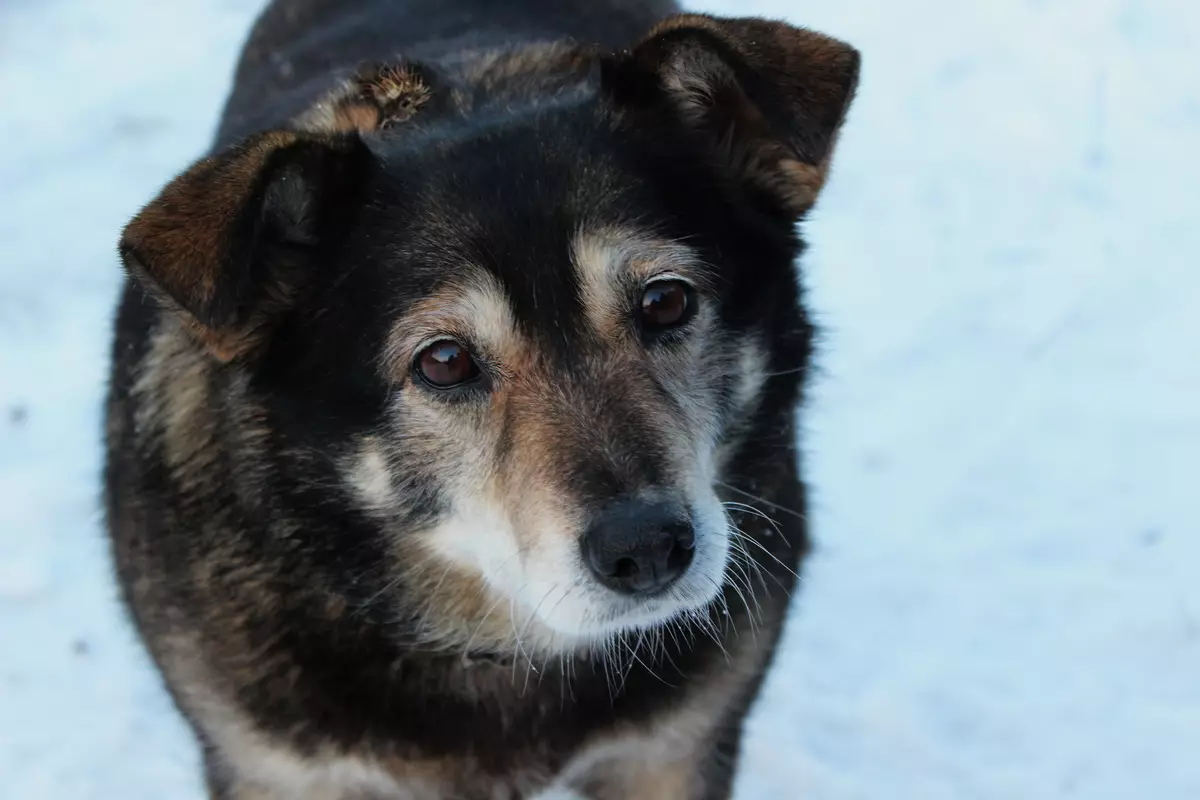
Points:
x=1004, y=445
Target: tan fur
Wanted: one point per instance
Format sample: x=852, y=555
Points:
x=460, y=606
x=370, y=476
x=180, y=244
x=801, y=183
x=468, y=520
x=665, y=759
x=176, y=402
x=259, y=767
x=612, y=261
x=473, y=307
x=186, y=261
x=379, y=98
x=670, y=756
x=609, y=260
x=511, y=511
x=815, y=82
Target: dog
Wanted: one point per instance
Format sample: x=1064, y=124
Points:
x=451, y=435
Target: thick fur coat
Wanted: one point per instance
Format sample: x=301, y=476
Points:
x=451, y=434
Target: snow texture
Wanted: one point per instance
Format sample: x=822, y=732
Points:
x=1002, y=443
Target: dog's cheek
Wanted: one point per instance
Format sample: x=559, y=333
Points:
x=476, y=535
x=704, y=377
x=452, y=550
x=369, y=477
x=408, y=473
x=750, y=368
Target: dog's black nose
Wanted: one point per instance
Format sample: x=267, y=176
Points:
x=638, y=548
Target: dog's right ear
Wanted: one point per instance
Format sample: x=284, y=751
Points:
x=765, y=99
x=231, y=242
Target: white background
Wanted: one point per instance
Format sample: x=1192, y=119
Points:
x=1003, y=443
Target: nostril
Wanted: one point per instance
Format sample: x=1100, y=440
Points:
x=625, y=568
x=684, y=534
x=680, y=555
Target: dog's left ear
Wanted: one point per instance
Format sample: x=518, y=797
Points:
x=229, y=245
x=766, y=97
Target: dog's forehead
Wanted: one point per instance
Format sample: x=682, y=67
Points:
x=532, y=227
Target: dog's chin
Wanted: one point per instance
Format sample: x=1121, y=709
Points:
x=601, y=623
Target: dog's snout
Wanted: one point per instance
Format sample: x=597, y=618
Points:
x=637, y=547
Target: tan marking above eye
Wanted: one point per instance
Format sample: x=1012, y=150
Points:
x=472, y=307
x=608, y=260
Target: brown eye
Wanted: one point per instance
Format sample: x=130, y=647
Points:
x=666, y=304
x=446, y=363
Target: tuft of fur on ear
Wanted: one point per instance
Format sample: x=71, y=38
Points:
x=230, y=243
x=769, y=98
x=375, y=99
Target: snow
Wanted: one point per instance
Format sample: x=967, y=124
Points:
x=1002, y=444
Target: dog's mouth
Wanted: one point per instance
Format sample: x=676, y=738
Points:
x=639, y=584
x=645, y=567
x=570, y=582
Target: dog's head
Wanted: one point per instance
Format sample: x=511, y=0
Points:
x=524, y=334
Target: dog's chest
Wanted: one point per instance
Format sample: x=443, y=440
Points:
x=279, y=775
x=260, y=771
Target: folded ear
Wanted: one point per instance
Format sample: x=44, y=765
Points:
x=378, y=97
x=768, y=98
x=231, y=242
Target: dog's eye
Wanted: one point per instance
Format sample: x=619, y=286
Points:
x=445, y=364
x=666, y=304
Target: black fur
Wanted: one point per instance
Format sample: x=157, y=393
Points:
x=246, y=548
